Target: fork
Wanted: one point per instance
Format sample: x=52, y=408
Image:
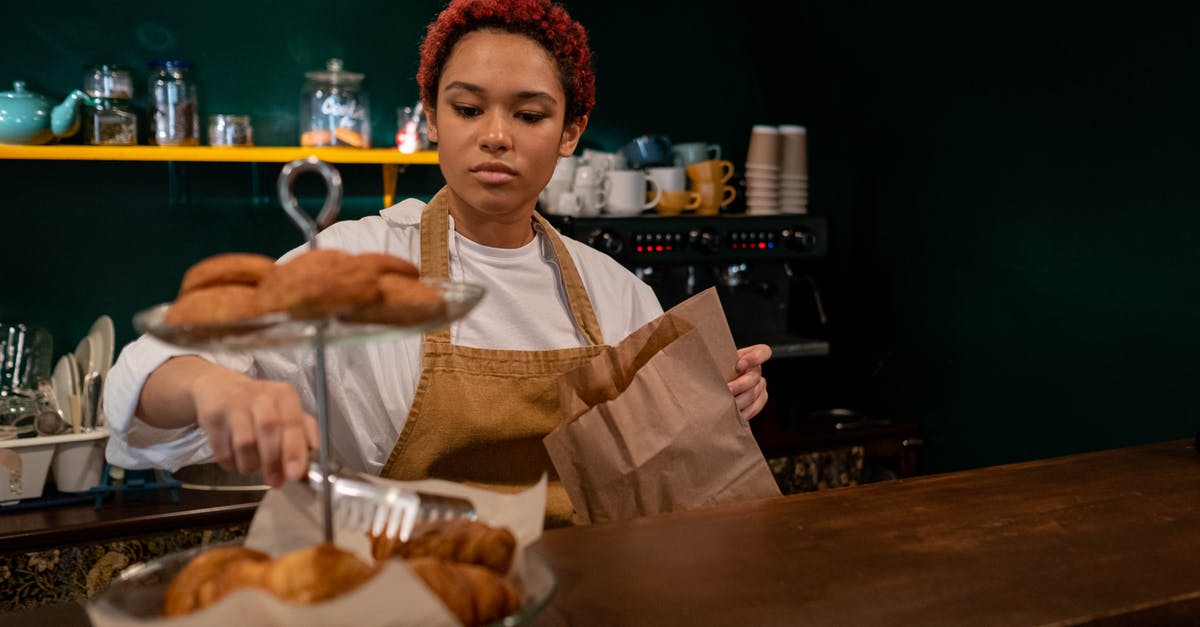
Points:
x=380, y=510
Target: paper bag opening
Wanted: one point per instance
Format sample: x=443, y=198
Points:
x=651, y=427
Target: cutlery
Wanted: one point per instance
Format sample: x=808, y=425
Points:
x=380, y=510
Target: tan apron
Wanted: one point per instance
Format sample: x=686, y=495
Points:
x=479, y=415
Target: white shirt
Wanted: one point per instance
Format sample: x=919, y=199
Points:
x=371, y=385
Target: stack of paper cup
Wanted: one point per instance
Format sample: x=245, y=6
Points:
x=793, y=174
x=762, y=170
x=777, y=170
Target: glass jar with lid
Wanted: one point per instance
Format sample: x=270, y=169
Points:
x=333, y=108
x=111, y=118
x=173, y=112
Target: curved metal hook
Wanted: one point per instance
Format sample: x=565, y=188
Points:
x=333, y=196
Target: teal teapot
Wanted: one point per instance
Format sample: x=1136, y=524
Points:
x=29, y=118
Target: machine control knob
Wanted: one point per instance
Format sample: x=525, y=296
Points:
x=606, y=242
x=706, y=240
x=800, y=238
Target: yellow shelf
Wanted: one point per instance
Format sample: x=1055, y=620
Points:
x=249, y=154
x=392, y=160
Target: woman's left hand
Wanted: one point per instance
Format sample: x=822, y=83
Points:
x=750, y=388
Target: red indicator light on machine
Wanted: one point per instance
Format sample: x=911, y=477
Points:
x=762, y=244
x=658, y=249
x=639, y=249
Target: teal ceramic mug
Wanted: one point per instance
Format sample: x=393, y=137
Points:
x=694, y=152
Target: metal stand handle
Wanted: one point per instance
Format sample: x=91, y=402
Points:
x=333, y=196
x=310, y=228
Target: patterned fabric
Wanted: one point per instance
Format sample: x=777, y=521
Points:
x=818, y=470
x=78, y=572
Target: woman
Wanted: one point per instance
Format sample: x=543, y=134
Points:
x=508, y=87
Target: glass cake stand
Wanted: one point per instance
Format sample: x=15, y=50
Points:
x=280, y=330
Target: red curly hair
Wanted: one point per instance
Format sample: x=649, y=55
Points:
x=542, y=21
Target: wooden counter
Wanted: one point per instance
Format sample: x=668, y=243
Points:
x=50, y=527
x=1107, y=538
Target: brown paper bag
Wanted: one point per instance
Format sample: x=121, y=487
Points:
x=651, y=427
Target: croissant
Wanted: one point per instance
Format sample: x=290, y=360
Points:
x=306, y=576
x=204, y=580
x=465, y=541
x=314, y=574
x=474, y=594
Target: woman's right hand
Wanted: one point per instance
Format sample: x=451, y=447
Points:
x=254, y=425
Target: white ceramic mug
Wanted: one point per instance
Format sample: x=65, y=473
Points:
x=548, y=199
x=593, y=198
x=669, y=179
x=627, y=192
x=606, y=161
x=565, y=169
x=588, y=176
x=570, y=204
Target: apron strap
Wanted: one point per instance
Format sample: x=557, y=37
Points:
x=435, y=264
x=577, y=296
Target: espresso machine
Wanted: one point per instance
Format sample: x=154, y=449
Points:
x=770, y=273
x=764, y=268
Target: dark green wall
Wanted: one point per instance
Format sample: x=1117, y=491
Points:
x=1009, y=187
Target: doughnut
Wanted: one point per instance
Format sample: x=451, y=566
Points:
x=404, y=301
x=217, y=304
x=226, y=268
x=318, y=283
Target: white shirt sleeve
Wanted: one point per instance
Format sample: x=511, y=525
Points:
x=135, y=444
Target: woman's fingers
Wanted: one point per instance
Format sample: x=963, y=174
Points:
x=299, y=435
x=244, y=444
x=760, y=401
x=218, y=438
x=750, y=388
x=268, y=432
x=745, y=382
x=256, y=425
x=750, y=402
x=295, y=451
x=752, y=356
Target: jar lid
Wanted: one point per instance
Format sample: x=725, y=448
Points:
x=107, y=81
x=334, y=74
x=170, y=64
x=229, y=118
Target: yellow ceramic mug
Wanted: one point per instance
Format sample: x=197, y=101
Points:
x=713, y=196
x=712, y=170
x=674, y=202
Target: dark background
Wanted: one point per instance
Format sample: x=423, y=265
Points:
x=1010, y=188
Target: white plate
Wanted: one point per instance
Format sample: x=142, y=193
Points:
x=104, y=335
x=62, y=380
x=87, y=353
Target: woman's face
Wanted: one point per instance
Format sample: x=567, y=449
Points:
x=499, y=124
